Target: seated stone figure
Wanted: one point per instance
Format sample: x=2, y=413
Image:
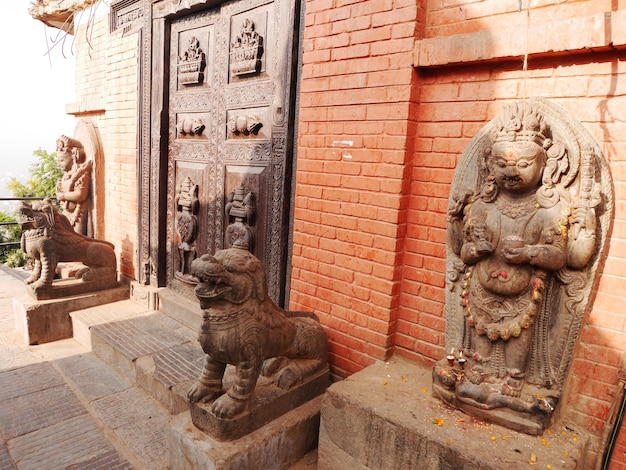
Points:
x=520, y=242
x=242, y=326
x=73, y=188
x=48, y=238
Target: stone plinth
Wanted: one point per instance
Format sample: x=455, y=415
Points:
x=267, y=403
x=44, y=321
x=278, y=444
x=386, y=417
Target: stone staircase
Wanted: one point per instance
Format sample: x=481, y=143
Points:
x=158, y=353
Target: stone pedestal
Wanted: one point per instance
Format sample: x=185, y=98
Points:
x=386, y=417
x=278, y=444
x=44, y=321
x=266, y=404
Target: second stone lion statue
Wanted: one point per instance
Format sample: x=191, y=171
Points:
x=48, y=238
x=242, y=326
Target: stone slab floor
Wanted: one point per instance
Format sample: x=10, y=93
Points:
x=61, y=407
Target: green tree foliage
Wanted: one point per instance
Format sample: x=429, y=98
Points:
x=44, y=174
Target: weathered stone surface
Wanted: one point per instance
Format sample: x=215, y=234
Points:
x=384, y=417
x=266, y=404
x=42, y=321
x=26, y=413
x=243, y=327
x=123, y=342
x=71, y=443
x=276, y=445
x=168, y=374
x=84, y=319
x=73, y=191
x=530, y=209
x=180, y=309
x=48, y=238
x=139, y=422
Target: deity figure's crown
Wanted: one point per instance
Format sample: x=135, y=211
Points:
x=521, y=122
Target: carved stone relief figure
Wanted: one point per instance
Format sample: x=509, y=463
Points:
x=73, y=188
x=241, y=213
x=524, y=236
x=187, y=206
x=246, y=50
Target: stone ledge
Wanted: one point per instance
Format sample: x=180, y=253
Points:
x=278, y=444
x=386, y=417
x=44, y=321
x=601, y=31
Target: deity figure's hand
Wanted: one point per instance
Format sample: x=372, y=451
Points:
x=582, y=237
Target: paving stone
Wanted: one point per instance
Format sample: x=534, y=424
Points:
x=98, y=381
x=147, y=441
x=5, y=459
x=18, y=382
x=26, y=413
x=66, y=444
x=83, y=320
x=127, y=406
x=137, y=421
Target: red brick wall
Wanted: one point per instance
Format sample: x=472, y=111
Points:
x=355, y=143
x=369, y=229
x=106, y=91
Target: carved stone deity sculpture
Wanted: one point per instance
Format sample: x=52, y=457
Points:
x=73, y=189
x=243, y=327
x=528, y=215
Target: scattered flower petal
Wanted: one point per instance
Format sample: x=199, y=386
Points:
x=544, y=441
x=424, y=390
x=384, y=382
x=438, y=421
x=403, y=378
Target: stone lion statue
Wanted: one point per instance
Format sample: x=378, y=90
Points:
x=242, y=326
x=48, y=238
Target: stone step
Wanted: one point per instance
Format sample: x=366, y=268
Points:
x=147, y=347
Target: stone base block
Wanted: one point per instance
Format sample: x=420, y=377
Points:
x=44, y=321
x=386, y=417
x=268, y=402
x=276, y=445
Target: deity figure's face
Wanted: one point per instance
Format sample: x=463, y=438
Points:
x=517, y=166
x=65, y=160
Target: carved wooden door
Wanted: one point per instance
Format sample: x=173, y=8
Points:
x=230, y=150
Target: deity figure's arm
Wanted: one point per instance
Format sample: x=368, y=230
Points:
x=477, y=243
x=458, y=204
x=78, y=191
x=582, y=236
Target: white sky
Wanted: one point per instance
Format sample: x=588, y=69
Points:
x=34, y=89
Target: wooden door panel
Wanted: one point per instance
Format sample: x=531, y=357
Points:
x=229, y=127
